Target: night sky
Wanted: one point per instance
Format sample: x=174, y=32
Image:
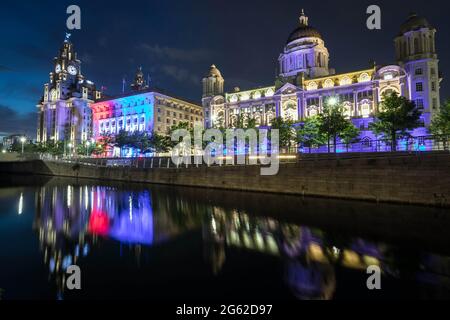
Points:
x=176, y=41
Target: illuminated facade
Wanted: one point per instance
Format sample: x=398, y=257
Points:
x=143, y=110
x=306, y=82
x=63, y=111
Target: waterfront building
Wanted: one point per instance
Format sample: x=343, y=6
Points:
x=64, y=112
x=143, y=109
x=306, y=82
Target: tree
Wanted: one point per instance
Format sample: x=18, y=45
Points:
x=287, y=132
x=309, y=135
x=332, y=123
x=139, y=141
x=159, y=143
x=122, y=140
x=440, y=125
x=397, y=116
x=104, y=144
x=349, y=135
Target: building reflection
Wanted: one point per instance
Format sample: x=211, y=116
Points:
x=71, y=221
x=311, y=256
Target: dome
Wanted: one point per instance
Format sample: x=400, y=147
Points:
x=214, y=72
x=304, y=30
x=414, y=22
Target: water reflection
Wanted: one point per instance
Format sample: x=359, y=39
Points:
x=72, y=220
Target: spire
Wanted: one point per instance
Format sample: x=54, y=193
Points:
x=303, y=19
x=139, y=81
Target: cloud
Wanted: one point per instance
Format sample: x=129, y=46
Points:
x=180, y=74
x=4, y=68
x=176, y=54
x=12, y=122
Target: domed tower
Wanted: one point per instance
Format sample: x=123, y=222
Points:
x=305, y=52
x=213, y=84
x=416, y=53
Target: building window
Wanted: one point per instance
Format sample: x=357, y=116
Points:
x=159, y=119
x=419, y=71
x=367, y=142
x=433, y=86
x=434, y=103
x=419, y=87
x=419, y=104
x=433, y=71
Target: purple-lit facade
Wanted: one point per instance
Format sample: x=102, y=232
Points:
x=306, y=83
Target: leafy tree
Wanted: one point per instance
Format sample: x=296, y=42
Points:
x=349, y=135
x=440, y=125
x=397, y=116
x=104, y=144
x=123, y=140
x=159, y=143
x=85, y=149
x=332, y=123
x=286, y=131
x=309, y=135
x=53, y=148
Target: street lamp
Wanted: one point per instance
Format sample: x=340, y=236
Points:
x=70, y=145
x=88, y=144
x=332, y=101
x=23, y=140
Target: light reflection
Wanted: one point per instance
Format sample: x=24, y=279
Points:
x=20, y=210
x=138, y=220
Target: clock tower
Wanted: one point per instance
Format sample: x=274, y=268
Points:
x=64, y=110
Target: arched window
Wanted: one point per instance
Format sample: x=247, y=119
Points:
x=328, y=83
x=366, y=142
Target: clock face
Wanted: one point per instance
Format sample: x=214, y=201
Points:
x=72, y=70
x=58, y=68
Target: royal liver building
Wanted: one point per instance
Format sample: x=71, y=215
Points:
x=64, y=112
x=306, y=82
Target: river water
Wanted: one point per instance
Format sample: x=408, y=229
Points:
x=196, y=245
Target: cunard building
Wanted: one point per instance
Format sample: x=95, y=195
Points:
x=306, y=82
x=143, y=109
x=64, y=112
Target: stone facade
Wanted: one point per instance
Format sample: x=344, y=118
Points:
x=306, y=82
x=64, y=112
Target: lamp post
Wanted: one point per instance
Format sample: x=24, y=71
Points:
x=70, y=148
x=23, y=140
x=88, y=144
